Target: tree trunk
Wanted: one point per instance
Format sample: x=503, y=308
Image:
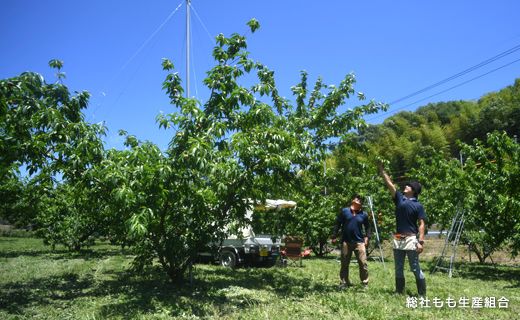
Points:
x=176, y=273
x=480, y=255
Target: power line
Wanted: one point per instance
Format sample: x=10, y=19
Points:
x=456, y=86
x=477, y=66
x=443, y=91
x=457, y=75
x=472, y=79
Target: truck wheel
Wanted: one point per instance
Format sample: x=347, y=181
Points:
x=228, y=259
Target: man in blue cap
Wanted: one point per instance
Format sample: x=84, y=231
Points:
x=409, y=236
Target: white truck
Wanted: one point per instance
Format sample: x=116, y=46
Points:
x=246, y=247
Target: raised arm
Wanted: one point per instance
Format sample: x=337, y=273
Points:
x=389, y=184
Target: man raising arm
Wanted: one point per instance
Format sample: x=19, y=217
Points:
x=409, y=236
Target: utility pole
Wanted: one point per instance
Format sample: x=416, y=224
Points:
x=188, y=5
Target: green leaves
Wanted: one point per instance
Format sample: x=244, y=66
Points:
x=486, y=188
x=253, y=25
x=42, y=128
x=56, y=64
x=139, y=222
x=173, y=88
x=167, y=65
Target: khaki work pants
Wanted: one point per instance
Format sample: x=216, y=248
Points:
x=361, y=256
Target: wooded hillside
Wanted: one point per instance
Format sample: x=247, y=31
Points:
x=404, y=136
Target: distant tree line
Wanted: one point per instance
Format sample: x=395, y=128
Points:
x=403, y=137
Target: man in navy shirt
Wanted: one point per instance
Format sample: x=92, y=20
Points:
x=409, y=236
x=352, y=220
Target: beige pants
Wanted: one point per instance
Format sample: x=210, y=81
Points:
x=361, y=256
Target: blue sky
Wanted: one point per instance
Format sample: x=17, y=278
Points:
x=113, y=49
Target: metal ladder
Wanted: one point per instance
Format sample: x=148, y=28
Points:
x=381, y=258
x=450, y=244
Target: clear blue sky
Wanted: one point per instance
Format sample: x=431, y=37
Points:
x=113, y=48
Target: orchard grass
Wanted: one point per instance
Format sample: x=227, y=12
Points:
x=37, y=282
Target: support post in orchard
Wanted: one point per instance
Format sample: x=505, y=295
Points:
x=381, y=257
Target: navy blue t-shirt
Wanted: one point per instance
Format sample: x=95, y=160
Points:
x=351, y=226
x=407, y=212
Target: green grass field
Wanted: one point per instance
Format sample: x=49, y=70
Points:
x=38, y=283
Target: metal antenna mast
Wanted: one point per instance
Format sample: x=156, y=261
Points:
x=188, y=5
x=188, y=9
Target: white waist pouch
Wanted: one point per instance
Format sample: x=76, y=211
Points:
x=408, y=243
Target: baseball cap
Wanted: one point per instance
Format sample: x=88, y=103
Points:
x=416, y=187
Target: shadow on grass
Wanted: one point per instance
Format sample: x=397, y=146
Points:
x=485, y=272
x=330, y=256
x=14, y=297
x=58, y=254
x=215, y=291
x=32, y=253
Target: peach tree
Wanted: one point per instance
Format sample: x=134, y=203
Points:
x=43, y=133
x=486, y=187
x=244, y=144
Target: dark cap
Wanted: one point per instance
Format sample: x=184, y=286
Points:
x=416, y=187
